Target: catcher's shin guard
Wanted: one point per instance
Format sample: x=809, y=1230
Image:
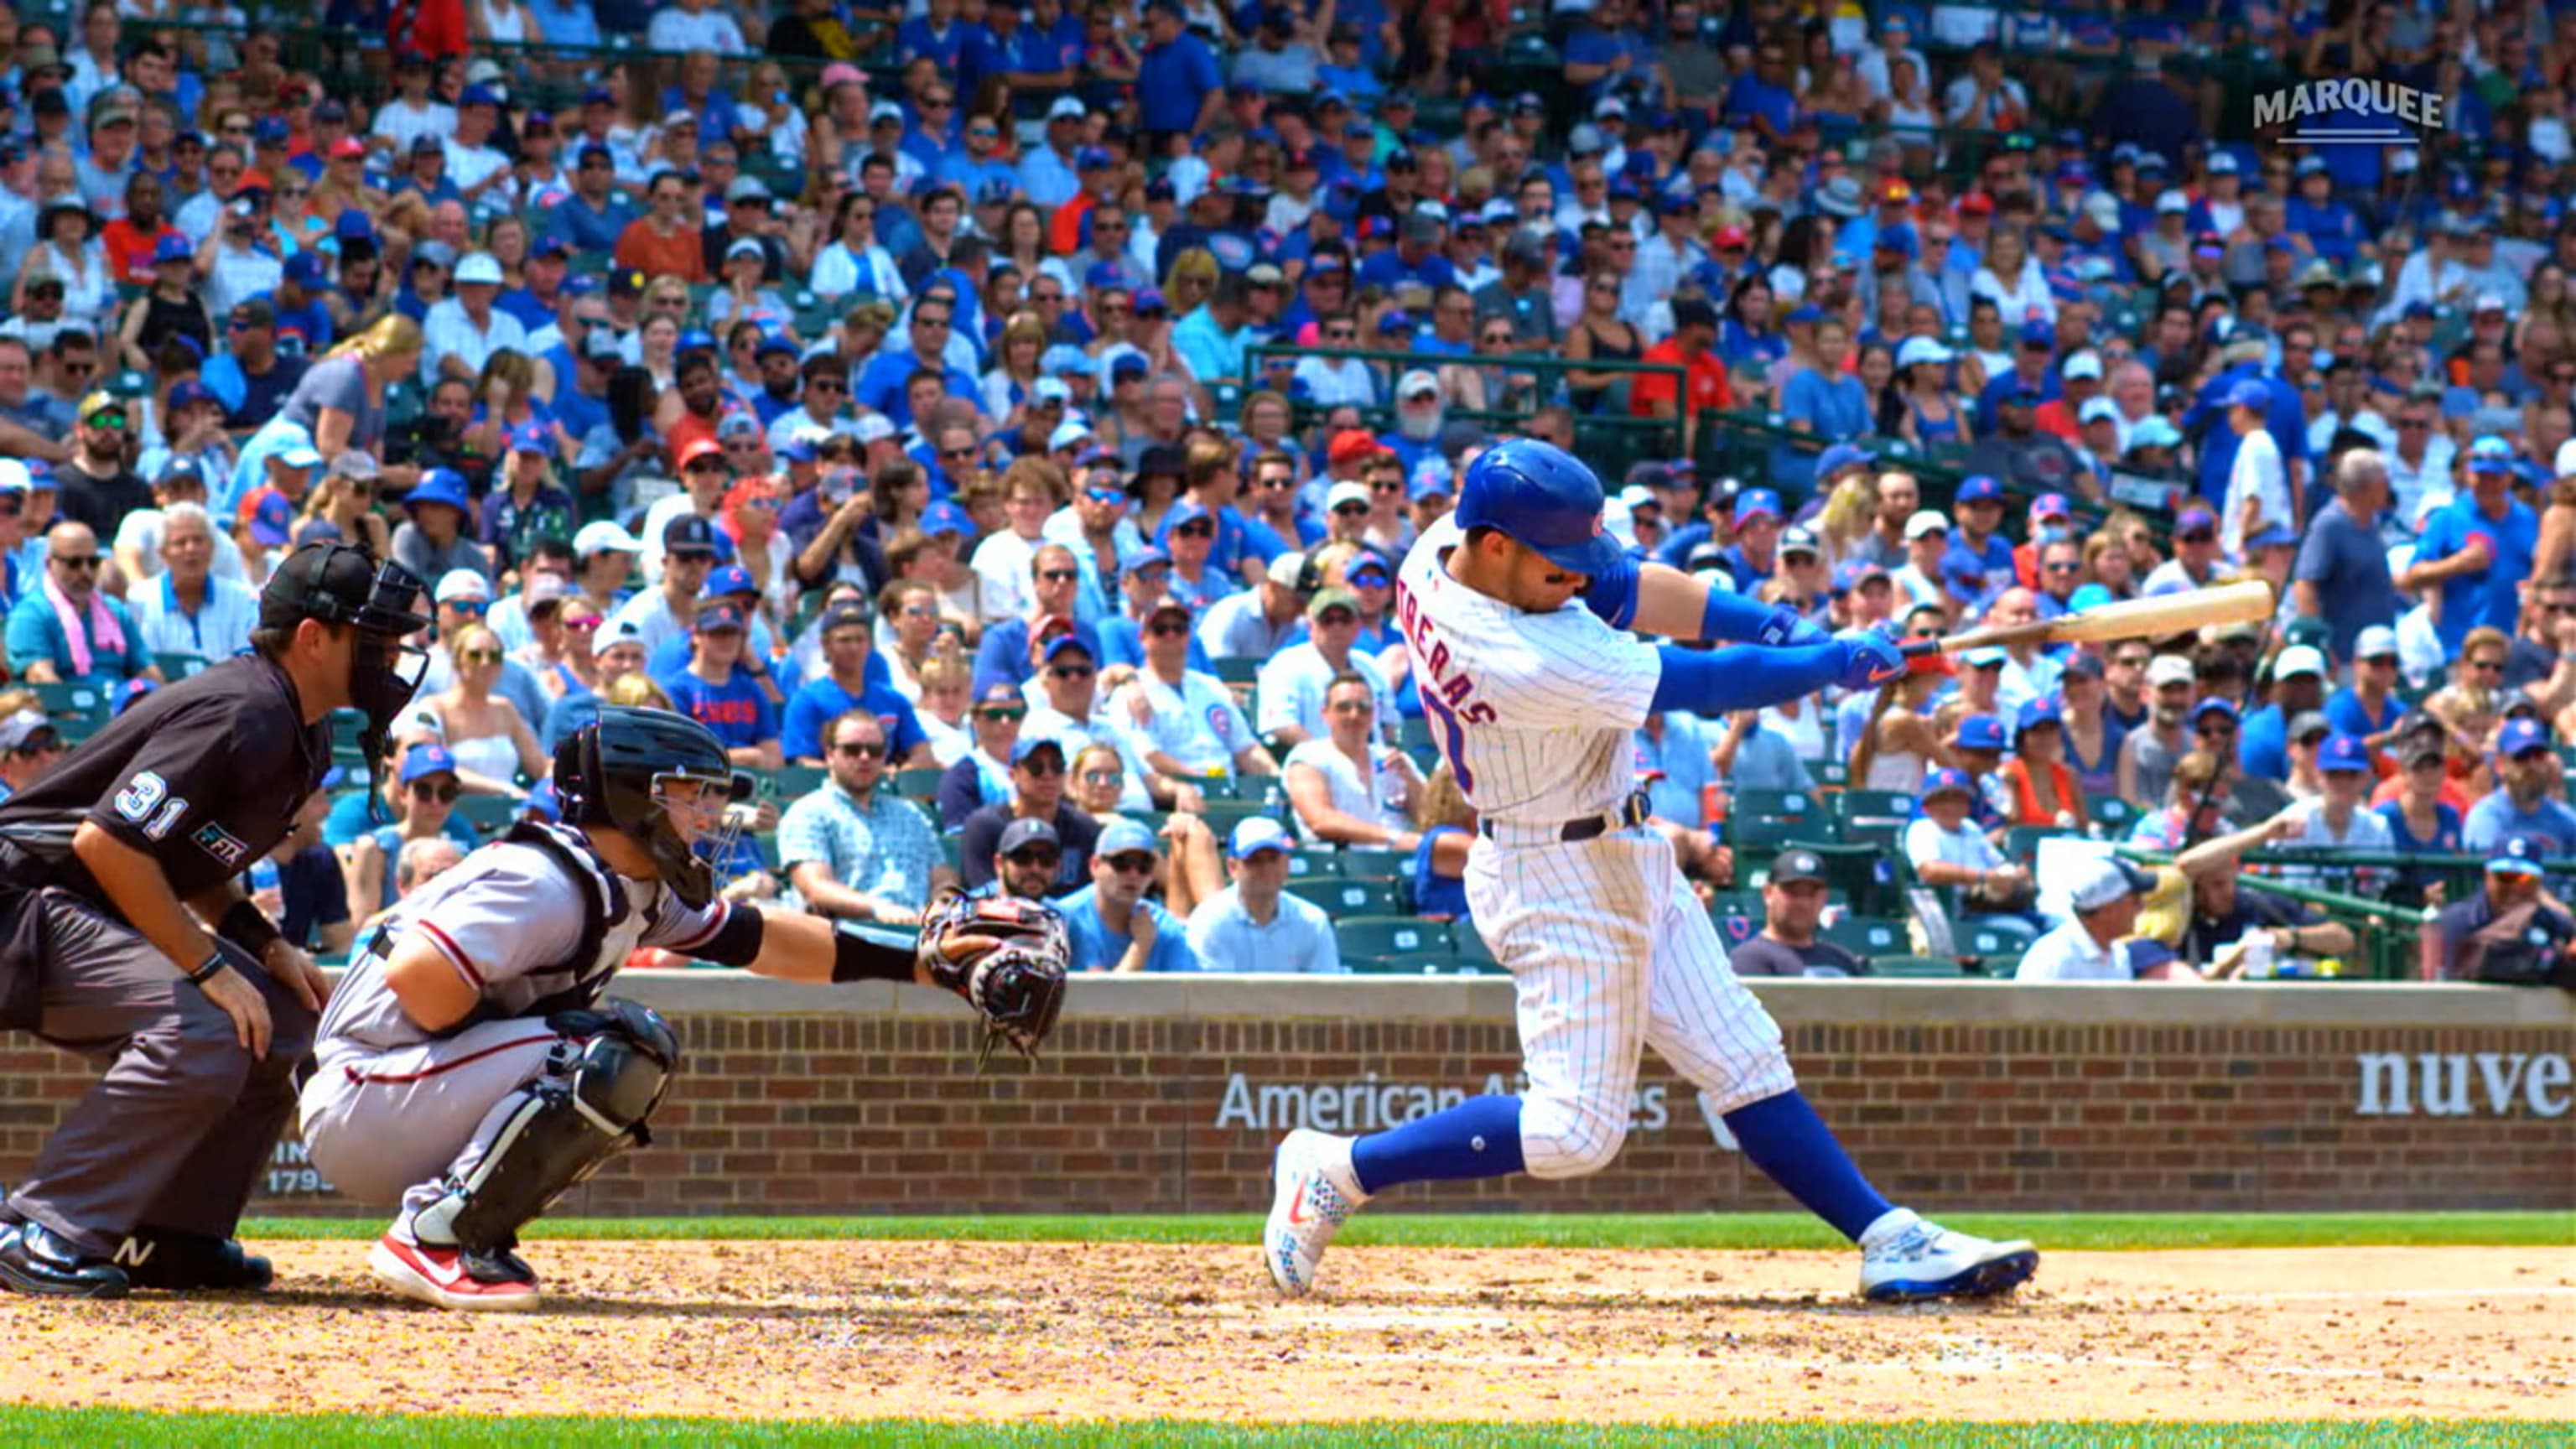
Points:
x=558, y=1132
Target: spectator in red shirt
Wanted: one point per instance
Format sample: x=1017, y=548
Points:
x=2063, y=415
x=665, y=242
x=1652, y=394
x=130, y=239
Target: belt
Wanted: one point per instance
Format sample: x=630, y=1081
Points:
x=1629, y=815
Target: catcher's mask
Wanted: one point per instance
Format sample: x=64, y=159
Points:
x=661, y=780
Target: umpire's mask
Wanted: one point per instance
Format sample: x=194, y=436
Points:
x=336, y=583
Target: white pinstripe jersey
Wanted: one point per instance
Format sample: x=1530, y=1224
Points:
x=1532, y=711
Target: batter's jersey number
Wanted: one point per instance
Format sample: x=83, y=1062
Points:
x=144, y=801
x=1448, y=697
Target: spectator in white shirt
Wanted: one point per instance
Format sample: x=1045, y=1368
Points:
x=1294, y=682
x=1348, y=789
x=2090, y=945
x=687, y=25
x=1184, y=725
x=2258, y=487
x=411, y=114
x=464, y=331
x=1947, y=849
x=188, y=609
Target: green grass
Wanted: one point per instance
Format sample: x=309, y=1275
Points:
x=90, y=1427
x=2097, y=1231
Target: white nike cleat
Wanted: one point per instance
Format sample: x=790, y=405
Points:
x=1313, y=1191
x=1907, y=1259
x=454, y=1278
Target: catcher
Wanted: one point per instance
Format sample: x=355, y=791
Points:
x=468, y=1064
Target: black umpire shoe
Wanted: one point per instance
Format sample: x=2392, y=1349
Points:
x=33, y=1260
x=176, y=1261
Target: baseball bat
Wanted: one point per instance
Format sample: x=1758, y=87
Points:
x=2157, y=618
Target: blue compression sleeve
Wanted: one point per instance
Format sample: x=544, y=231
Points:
x=1735, y=617
x=1480, y=1137
x=1612, y=596
x=1794, y=1148
x=1714, y=682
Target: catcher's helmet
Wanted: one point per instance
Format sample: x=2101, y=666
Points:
x=1543, y=498
x=608, y=773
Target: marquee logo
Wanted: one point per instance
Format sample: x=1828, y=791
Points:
x=2350, y=112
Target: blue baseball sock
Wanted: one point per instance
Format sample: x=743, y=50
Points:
x=1480, y=1137
x=1794, y=1148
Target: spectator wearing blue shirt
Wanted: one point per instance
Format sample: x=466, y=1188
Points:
x=2286, y=420
x=65, y=629
x=1178, y=85
x=2341, y=575
x=938, y=34
x=1763, y=96
x=1415, y=257
x=592, y=218
x=1676, y=762
x=1112, y=925
x=2526, y=799
x=2298, y=690
x=1980, y=558
x=2368, y=709
x=1254, y=924
x=847, y=683
x=886, y=383
x=1822, y=401
x=1213, y=339
x=2478, y=549
x=719, y=691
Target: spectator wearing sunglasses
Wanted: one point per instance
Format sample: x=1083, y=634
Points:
x=1114, y=924
x=851, y=679
x=1183, y=724
x=65, y=629
x=1038, y=820
x=1297, y=681
x=852, y=851
x=2526, y=799
x=982, y=776
x=428, y=786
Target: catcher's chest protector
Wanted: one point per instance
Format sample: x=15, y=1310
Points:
x=603, y=907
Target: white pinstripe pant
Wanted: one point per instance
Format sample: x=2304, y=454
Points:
x=1613, y=953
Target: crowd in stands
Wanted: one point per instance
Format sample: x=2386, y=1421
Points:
x=1003, y=425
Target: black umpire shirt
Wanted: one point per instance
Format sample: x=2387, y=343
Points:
x=205, y=776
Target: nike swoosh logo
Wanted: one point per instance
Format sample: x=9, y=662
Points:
x=444, y=1277
x=1296, y=1205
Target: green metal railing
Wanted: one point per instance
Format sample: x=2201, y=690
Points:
x=2386, y=930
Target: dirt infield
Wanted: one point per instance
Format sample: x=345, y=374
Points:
x=1040, y=1332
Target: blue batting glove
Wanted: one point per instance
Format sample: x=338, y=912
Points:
x=1870, y=658
x=1787, y=628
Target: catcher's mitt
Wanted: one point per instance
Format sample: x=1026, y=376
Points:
x=1007, y=957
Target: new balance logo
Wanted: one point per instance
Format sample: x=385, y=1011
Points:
x=133, y=1252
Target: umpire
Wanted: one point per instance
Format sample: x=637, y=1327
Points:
x=125, y=936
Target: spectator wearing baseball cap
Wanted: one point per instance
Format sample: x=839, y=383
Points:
x=1037, y=809
x=526, y=504
x=1703, y=385
x=29, y=743
x=733, y=696
x=2298, y=687
x=2340, y=818
x=2527, y=796
x=1112, y=923
x=2510, y=933
x=1949, y=851
x=1793, y=903
x=2369, y=707
x=2486, y=524
x=2196, y=561
x=851, y=677
x=1296, y=683
x=2104, y=893
x=427, y=782
x=1254, y=924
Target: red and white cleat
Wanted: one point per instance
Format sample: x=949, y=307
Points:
x=453, y=1277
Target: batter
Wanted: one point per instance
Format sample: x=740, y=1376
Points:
x=1515, y=611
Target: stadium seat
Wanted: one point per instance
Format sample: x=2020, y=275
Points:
x=1341, y=897
x=1472, y=950
x=2022, y=841
x=175, y=667
x=1873, y=817
x=1416, y=963
x=2115, y=815
x=918, y=784
x=1314, y=865
x=1386, y=936
x=1239, y=671
x=1999, y=941
x=1869, y=937
x=790, y=783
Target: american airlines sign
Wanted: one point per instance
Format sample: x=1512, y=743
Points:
x=2464, y=1084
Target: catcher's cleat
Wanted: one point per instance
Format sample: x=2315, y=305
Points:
x=451, y=1277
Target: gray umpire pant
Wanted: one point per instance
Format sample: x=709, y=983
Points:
x=177, y=1132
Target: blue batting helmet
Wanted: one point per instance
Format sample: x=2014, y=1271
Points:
x=1542, y=498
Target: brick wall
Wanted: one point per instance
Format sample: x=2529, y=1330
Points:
x=1167, y=1096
